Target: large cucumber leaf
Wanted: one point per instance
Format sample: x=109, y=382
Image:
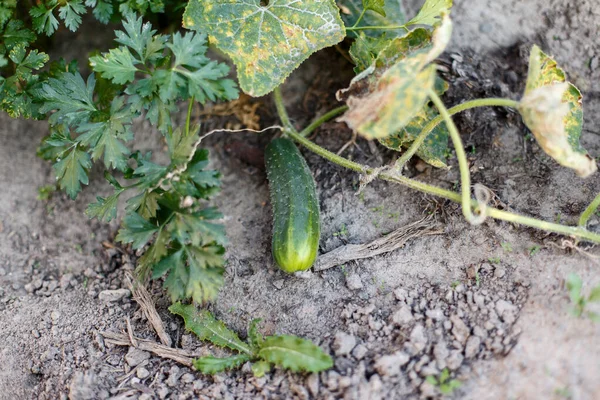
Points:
x=266, y=42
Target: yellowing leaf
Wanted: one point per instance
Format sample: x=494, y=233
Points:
x=398, y=98
x=552, y=108
x=385, y=97
x=266, y=42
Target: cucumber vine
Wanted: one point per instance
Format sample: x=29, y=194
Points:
x=395, y=98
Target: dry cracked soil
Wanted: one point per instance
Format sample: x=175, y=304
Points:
x=488, y=303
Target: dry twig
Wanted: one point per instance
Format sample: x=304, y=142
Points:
x=390, y=242
x=142, y=297
x=181, y=356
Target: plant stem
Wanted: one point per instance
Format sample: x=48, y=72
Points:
x=463, y=164
x=188, y=118
x=362, y=14
x=322, y=119
x=375, y=27
x=283, y=115
x=419, y=140
x=589, y=211
x=433, y=190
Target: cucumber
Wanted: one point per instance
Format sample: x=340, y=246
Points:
x=296, y=225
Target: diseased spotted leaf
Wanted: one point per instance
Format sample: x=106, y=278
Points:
x=431, y=12
x=136, y=230
x=385, y=97
x=72, y=170
x=294, y=353
x=266, y=42
x=399, y=97
x=208, y=328
x=16, y=34
x=552, y=108
x=393, y=16
x=117, y=65
x=433, y=150
x=213, y=365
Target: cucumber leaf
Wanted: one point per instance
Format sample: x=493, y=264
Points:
x=294, y=353
x=393, y=15
x=266, y=42
x=552, y=108
x=208, y=328
x=385, y=97
x=431, y=12
x=433, y=150
x=214, y=365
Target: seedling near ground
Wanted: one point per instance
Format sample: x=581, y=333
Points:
x=443, y=382
x=579, y=301
x=288, y=352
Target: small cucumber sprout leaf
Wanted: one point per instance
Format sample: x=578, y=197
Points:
x=260, y=368
x=393, y=15
x=381, y=106
x=552, y=108
x=266, y=42
x=574, y=285
x=431, y=13
x=208, y=328
x=594, y=295
x=214, y=365
x=294, y=353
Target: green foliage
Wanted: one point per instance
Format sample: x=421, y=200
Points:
x=444, y=383
x=266, y=42
x=431, y=12
x=579, y=300
x=286, y=351
x=392, y=15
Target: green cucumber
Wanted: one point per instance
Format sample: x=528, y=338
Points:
x=296, y=225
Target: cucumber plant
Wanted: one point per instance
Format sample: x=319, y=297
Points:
x=395, y=98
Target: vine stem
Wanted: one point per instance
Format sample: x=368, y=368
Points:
x=324, y=118
x=426, y=188
x=375, y=27
x=420, y=139
x=589, y=211
x=463, y=164
x=362, y=14
x=188, y=118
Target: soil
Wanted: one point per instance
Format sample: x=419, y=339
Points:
x=488, y=303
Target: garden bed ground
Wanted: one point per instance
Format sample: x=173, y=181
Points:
x=473, y=300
